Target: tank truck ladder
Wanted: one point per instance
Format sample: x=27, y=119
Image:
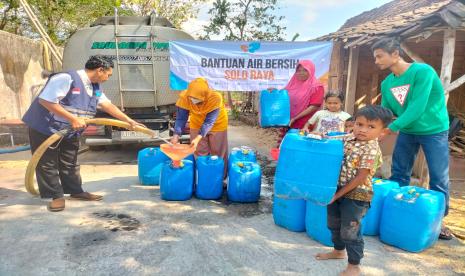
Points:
x=151, y=63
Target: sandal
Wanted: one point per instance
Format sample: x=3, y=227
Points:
x=445, y=234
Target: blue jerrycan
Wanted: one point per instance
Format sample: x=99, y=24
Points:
x=274, y=108
x=289, y=213
x=244, y=182
x=411, y=218
x=177, y=183
x=149, y=163
x=209, y=172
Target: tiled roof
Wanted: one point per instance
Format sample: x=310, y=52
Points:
x=390, y=9
x=406, y=24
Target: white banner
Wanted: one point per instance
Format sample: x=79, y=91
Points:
x=243, y=66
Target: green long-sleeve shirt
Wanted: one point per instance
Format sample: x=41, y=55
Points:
x=417, y=99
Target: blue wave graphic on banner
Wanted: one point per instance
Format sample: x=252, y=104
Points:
x=176, y=83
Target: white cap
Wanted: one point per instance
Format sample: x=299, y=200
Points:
x=214, y=157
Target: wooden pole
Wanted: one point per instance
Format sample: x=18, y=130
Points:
x=351, y=80
x=455, y=84
x=336, y=68
x=447, y=59
x=411, y=53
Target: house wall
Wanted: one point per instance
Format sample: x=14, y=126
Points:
x=370, y=77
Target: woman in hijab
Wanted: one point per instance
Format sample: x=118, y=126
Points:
x=306, y=95
x=208, y=119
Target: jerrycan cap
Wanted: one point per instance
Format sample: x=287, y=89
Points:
x=377, y=181
x=244, y=167
x=410, y=197
x=177, y=164
x=214, y=157
x=245, y=151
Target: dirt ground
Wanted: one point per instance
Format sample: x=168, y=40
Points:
x=133, y=231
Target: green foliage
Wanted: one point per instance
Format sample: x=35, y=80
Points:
x=61, y=18
x=9, y=18
x=245, y=20
x=234, y=113
x=176, y=11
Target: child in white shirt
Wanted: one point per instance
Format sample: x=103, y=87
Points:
x=330, y=119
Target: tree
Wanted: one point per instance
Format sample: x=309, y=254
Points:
x=245, y=20
x=10, y=19
x=61, y=18
x=176, y=11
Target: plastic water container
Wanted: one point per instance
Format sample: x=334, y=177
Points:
x=149, y=163
x=411, y=218
x=335, y=133
x=274, y=108
x=289, y=213
x=316, y=223
x=293, y=130
x=244, y=182
x=381, y=188
x=243, y=153
x=308, y=168
x=191, y=158
x=209, y=171
x=177, y=183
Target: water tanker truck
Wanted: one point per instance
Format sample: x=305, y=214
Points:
x=139, y=86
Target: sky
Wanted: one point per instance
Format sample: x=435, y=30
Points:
x=309, y=18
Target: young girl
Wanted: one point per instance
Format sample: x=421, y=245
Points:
x=332, y=118
x=349, y=125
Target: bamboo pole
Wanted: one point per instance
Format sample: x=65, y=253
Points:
x=30, y=13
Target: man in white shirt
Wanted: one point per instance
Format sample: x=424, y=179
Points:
x=65, y=101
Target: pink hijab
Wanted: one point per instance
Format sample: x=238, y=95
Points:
x=302, y=94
